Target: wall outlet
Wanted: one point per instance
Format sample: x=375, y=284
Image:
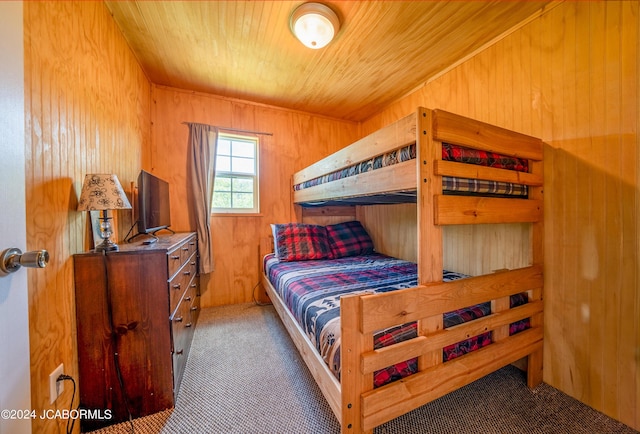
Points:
x=56, y=387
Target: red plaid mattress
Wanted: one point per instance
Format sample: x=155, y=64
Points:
x=311, y=290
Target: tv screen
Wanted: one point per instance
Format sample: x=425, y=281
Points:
x=153, y=204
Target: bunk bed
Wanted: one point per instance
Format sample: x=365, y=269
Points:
x=408, y=161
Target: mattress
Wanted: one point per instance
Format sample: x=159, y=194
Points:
x=450, y=185
x=311, y=290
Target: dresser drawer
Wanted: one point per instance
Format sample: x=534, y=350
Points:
x=195, y=308
x=180, y=336
x=182, y=326
x=188, y=249
x=174, y=261
x=190, y=297
x=177, y=286
x=180, y=322
x=181, y=282
x=177, y=257
x=192, y=264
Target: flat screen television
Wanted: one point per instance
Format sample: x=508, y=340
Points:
x=153, y=204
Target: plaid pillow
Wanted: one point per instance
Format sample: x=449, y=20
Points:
x=349, y=239
x=301, y=242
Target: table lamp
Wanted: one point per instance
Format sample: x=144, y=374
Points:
x=103, y=192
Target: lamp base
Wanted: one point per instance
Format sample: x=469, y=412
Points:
x=107, y=246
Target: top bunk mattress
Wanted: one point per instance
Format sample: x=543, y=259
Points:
x=450, y=185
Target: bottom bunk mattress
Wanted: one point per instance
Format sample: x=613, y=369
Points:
x=311, y=290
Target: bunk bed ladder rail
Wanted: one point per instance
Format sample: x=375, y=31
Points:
x=451, y=128
x=364, y=408
x=458, y=210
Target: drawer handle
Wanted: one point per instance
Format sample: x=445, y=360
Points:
x=176, y=286
x=175, y=257
x=186, y=273
x=186, y=249
x=179, y=319
x=193, y=308
x=188, y=324
x=187, y=299
x=192, y=243
x=193, y=285
x=179, y=352
x=193, y=263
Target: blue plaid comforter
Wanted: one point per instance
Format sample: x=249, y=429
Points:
x=312, y=289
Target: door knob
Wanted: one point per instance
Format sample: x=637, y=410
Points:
x=12, y=259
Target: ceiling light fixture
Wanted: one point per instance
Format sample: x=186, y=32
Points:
x=314, y=24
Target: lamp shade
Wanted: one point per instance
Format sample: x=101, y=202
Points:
x=314, y=24
x=102, y=192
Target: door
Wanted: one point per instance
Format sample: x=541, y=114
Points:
x=15, y=388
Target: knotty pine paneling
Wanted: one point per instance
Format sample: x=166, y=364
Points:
x=571, y=78
x=393, y=229
x=212, y=48
x=87, y=111
x=298, y=140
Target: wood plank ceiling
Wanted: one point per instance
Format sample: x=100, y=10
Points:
x=245, y=49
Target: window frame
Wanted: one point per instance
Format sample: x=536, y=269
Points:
x=239, y=175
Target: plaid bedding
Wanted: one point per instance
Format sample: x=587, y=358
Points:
x=311, y=290
x=299, y=242
x=449, y=184
x=349, y=239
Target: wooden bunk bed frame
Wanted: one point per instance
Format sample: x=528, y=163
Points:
x=357, y=405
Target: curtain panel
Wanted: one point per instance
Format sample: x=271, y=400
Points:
x=201, y=174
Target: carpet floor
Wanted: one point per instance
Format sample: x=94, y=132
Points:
x=244, y=375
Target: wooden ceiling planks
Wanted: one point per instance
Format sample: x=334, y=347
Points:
x=244, y=49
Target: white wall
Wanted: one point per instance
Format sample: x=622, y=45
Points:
x=15, y=386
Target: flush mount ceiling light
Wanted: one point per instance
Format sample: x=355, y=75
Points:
x=314, y=24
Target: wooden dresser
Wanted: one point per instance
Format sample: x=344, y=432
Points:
x=136, y=310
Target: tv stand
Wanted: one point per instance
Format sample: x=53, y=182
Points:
x=141, y=303
x=151, y=234
x=163, y=229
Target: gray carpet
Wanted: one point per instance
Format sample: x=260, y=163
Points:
x=244, y=375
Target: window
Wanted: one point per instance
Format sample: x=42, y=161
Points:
x=235, y=189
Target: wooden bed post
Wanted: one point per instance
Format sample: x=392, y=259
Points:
x=430, y=255
x=353, y=382
x=535, y=359
x=430, y=258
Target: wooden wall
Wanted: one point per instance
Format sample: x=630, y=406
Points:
x=297, y=140
x=87, y=111
x=570, y=77
x=468, y=249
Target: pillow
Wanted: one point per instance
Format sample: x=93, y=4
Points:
x=301, y=242
x=349, y=239
x=274, y=233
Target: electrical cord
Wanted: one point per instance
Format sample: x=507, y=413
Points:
x=64, y=377
x=128, y=240
x=114, y=340
x=255, y=299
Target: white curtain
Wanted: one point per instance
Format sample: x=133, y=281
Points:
x=200, y=175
